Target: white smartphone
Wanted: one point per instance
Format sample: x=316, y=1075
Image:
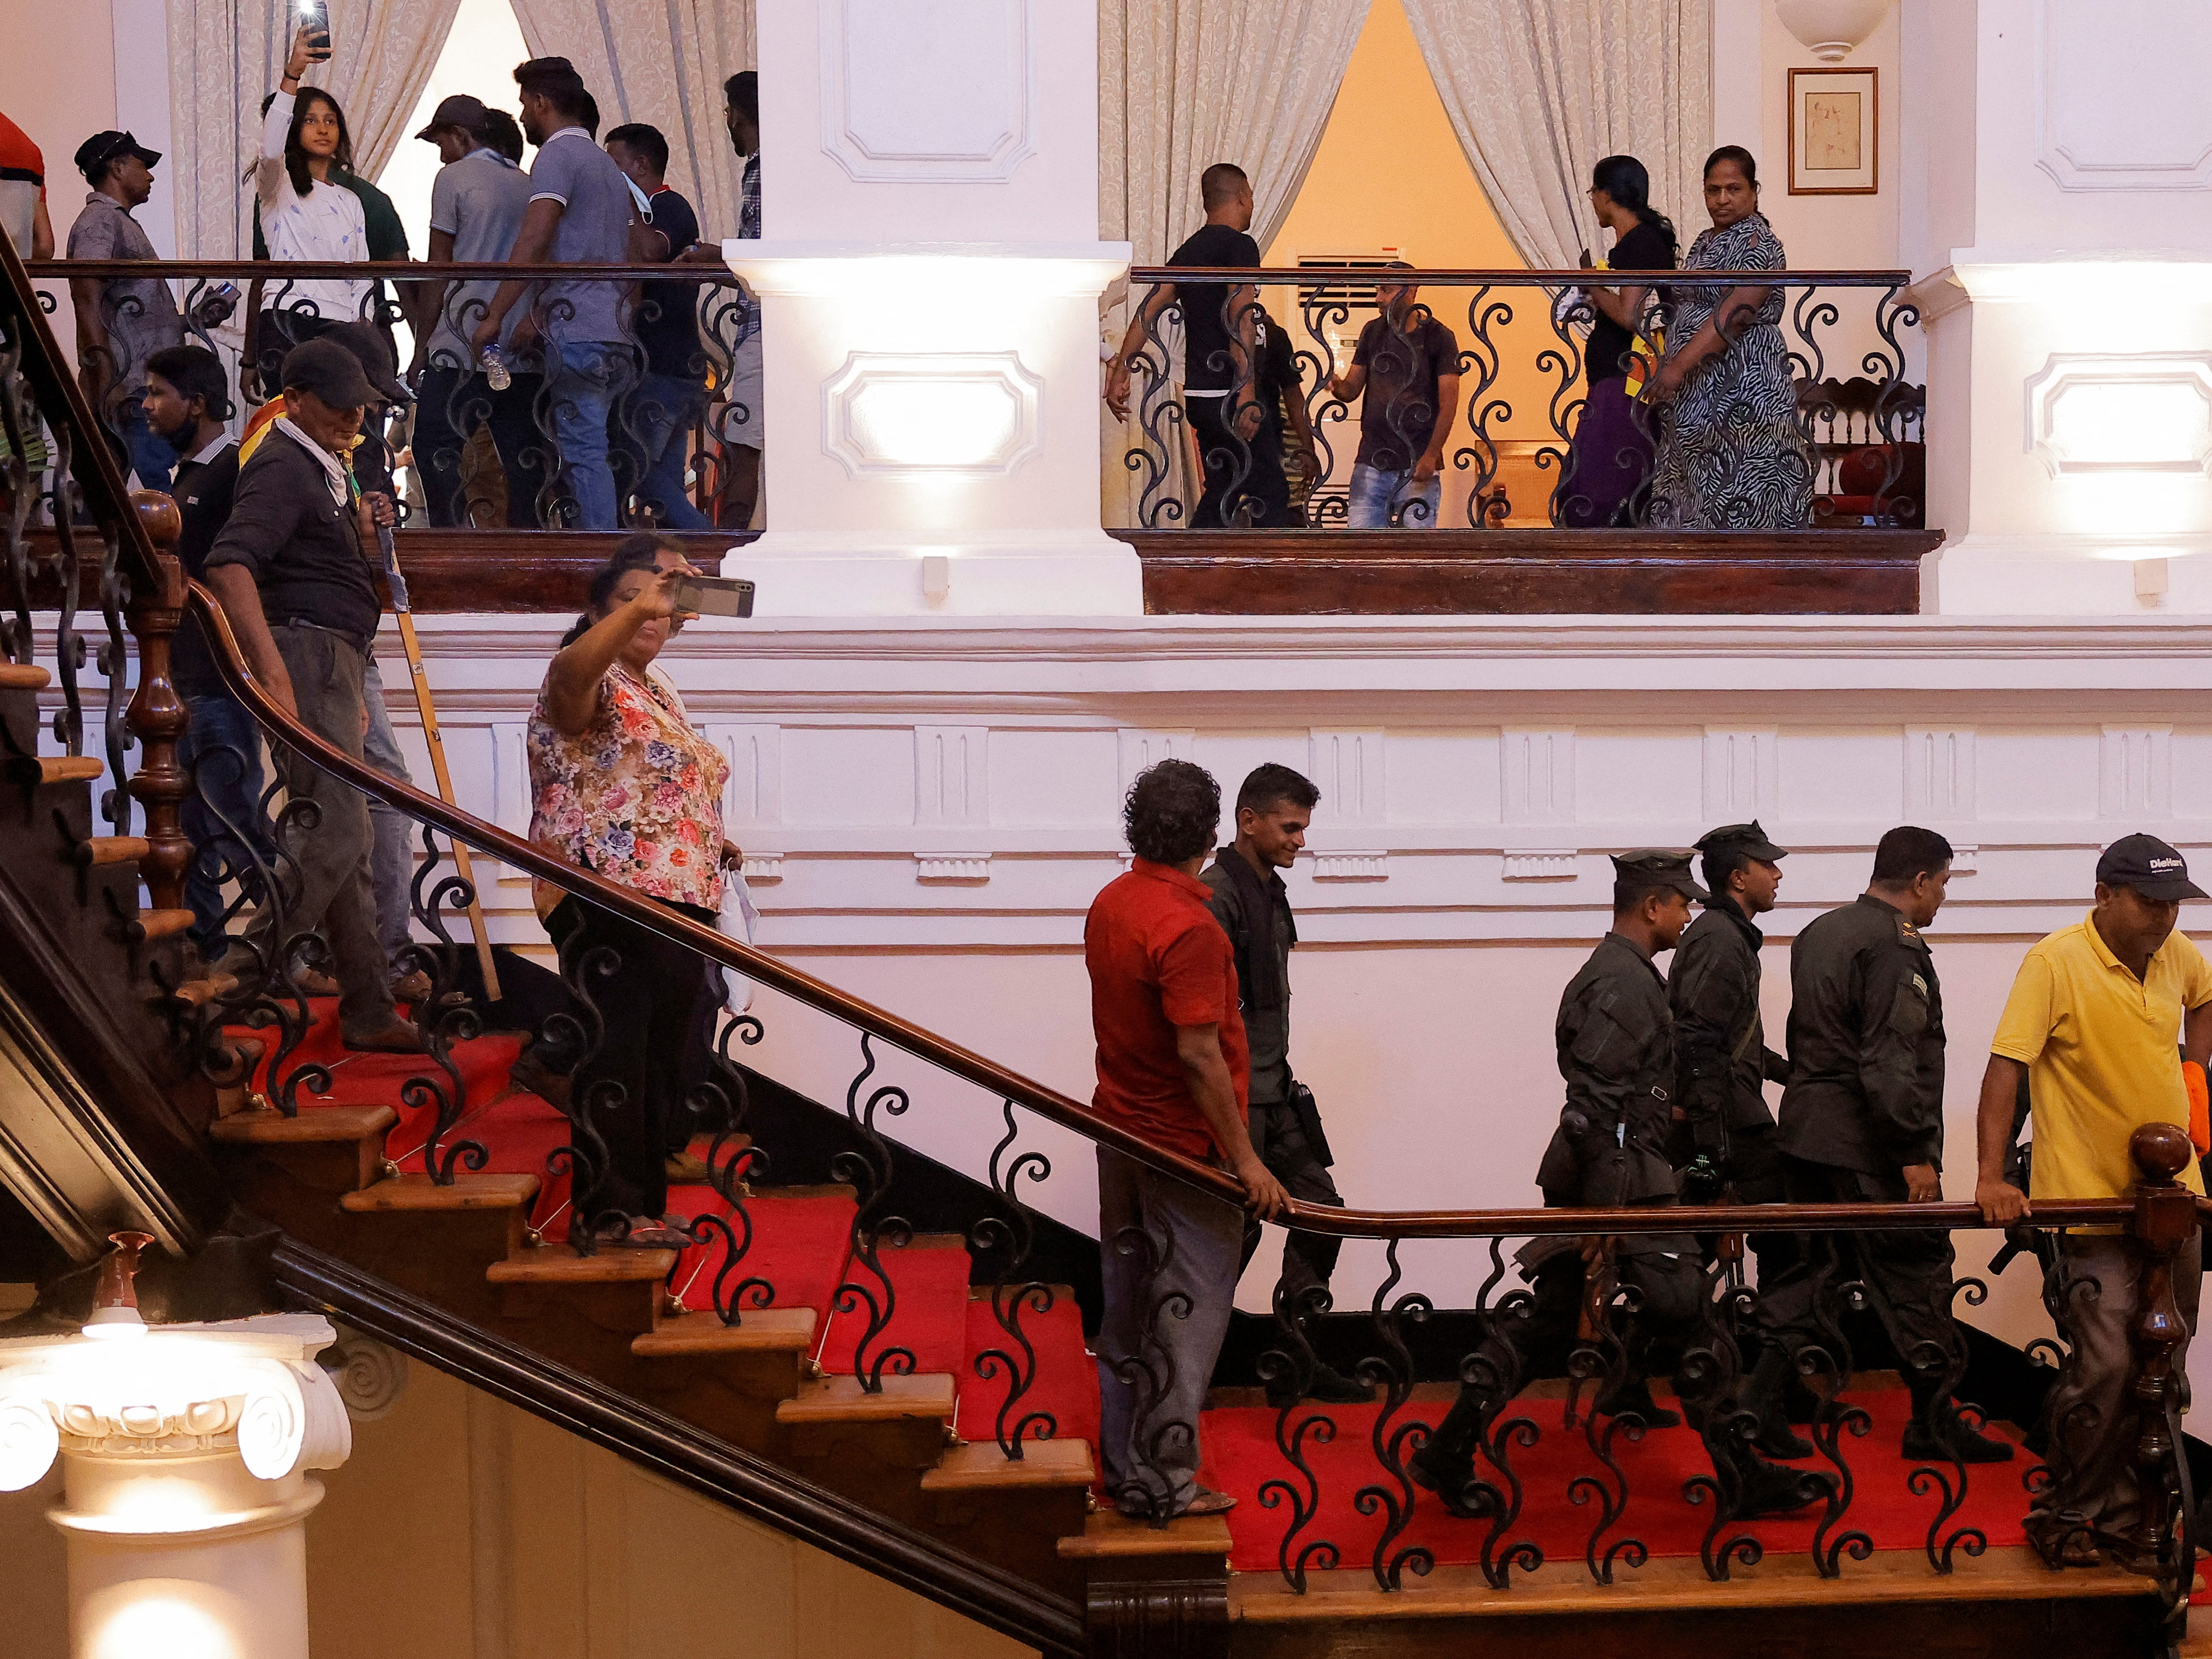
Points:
x=714, y=596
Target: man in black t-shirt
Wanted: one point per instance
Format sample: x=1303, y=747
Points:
x=1223, y=398
x=655, y=422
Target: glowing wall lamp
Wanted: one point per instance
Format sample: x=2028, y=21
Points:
x=183, y=1449
x=1831, y=29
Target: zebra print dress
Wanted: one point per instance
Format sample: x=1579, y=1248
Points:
x=1731, y=456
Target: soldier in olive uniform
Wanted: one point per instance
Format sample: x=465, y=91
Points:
x=1615, y=1043
x=1723, y=1134
x=1862, y=1123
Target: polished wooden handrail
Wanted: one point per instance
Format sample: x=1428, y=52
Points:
x=1457, y=276
x=403, y=270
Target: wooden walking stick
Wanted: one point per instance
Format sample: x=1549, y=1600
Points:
x=431, y=734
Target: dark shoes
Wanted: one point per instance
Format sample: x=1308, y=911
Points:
x=1949, y=1440
x=1330, y=1386
x=401, y=1037
x=1454, y=1487
x=1773, y=1489
x=1633, y=1398
x=533, y=1076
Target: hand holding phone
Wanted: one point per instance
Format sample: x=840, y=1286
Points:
x=315, y=26
x=712, y=596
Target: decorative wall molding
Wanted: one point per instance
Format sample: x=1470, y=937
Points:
x=2134, y=772
x=1141, y=748
x=1742, y=777
x=1939, y=774
x=761, y=868
x=755, y=795
x=1536, y=775
x=1351, y=866
x=932, y=414
x=510, y=770
x=2119, y=100
x=952, y=775
x=968, y=867
x=1347, y=766
x=2121, y=411
x=941, y=94
x=1542, y=864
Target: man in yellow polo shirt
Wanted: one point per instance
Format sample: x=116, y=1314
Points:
x=2097, y=1020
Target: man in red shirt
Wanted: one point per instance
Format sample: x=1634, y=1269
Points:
x=1173, y=1068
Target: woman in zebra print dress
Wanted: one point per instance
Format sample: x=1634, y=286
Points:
x=1731, y=455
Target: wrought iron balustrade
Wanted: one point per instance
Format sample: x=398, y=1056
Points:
x=483, y=455
x=1807, y=418
x=142, y=582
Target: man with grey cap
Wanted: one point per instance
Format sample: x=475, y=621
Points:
x=1615, y=1042
x=1862, y=1123
x=2110, y=1024
x=292, y=570
x=1723, y=1140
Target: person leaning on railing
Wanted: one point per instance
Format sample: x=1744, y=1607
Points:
x=2097, y=1024
x=621, y=785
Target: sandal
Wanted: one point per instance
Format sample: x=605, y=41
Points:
x=1206, y=1502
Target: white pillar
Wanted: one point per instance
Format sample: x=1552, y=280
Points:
x=184, y=1449
x=2066, y=215
x=930, y=273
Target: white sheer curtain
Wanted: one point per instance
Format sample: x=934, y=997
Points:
x=1537, y=90
x=225, y=55
x=662, y=62
x=1183, y=84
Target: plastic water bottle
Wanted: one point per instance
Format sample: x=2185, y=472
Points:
x=494, y=365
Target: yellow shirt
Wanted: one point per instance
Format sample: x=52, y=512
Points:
x=2103, y=1055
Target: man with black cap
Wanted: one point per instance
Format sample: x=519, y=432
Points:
x=292, y=568
x=2110, y=1022
x=1862, y=1123
x=1615, y=1041
x=121, y=320
x=1724, y=1139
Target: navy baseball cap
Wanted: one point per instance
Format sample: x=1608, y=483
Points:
x=2149, y=866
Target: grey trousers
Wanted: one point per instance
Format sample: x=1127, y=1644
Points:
x=391, y=865
x=2092, y=1461
x=1162, y=1330
x=335, y=898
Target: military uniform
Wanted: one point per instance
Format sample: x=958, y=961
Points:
x=1721, y=1060
x=1864, y=1101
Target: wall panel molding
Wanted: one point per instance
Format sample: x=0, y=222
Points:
x=940, y=94
x=2118, y=94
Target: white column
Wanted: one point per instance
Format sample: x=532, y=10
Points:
x=2067, y=199
x=930, y=272
x=184, y=1449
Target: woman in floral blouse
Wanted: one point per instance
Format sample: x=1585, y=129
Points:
x=621, y=785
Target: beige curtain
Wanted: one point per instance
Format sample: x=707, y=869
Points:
x=1537, y=90
x=1185, y=83
x=662, y=62
x=225, y=55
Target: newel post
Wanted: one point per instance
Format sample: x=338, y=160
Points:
x=2164, y=1222
x=157, y=717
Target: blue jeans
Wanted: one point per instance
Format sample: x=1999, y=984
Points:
x=391, y=857
x=152, y=458
x=657, y=420
x=589, y=380
x=1377, y=495
x=223, y=742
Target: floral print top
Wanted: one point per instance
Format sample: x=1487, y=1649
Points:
x=636, y=796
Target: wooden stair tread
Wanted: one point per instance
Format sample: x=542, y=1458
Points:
x=1110, y=1533
x=979, y=1466
x=113, y=849
x=320, y=1124
x=763, y=1330
x=819, y=1190
x=22, y=677
x=841, y=1400
x=69, y=768
x=196, y=993
x=1677, y=1583
x=163, y=924
x=416, y=1192
x=559, y=1265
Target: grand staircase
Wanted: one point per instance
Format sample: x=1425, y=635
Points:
x=871, y=1360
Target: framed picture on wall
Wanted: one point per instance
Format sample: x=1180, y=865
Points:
x=1835, y=132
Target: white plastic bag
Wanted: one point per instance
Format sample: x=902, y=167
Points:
x=741, y=922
